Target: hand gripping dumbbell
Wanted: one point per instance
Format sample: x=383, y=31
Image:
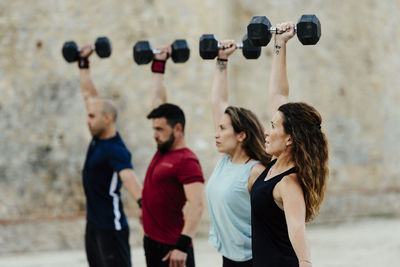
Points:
x=308, y=30
x=209, y=47
x=71, y=51
x=143, y=53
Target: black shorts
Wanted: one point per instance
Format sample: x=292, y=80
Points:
x=155, y=251
x=107, y=248
x=230, y=263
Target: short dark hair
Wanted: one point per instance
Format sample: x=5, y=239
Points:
x=172, y=113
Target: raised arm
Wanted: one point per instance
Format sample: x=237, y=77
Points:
x=159, y=92
x=85, y=79
x=219, y=90
x=278, y=81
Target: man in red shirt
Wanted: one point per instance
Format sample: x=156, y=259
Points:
x=173, y=177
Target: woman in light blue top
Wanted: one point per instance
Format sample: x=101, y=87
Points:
x=240, y=136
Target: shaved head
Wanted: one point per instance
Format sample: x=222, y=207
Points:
x=106, y=107
x=102, y=115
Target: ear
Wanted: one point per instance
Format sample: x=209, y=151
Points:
x=241, y=136
x=108, y=118
x=178, y=127
x=289, y=141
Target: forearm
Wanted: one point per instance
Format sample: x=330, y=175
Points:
x=134, y=189
x=219, y=90
x=297, y=236
x=131, y=183
x=87, y=86
x=192, y=218
x=278, y=82
x=159, y=93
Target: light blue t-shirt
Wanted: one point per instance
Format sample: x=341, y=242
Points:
x=229, y=208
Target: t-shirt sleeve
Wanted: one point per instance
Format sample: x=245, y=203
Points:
x=120, y=158
x=189, y=171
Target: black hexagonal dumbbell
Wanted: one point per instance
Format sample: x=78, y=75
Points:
x=209, y=46
x=102, y=47
x=143, y=53
x=308, y=30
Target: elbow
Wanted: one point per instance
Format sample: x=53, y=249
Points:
x=297, y=226
x=125, y=180
x=200, y=207
x=297, y=229
x=126, y=176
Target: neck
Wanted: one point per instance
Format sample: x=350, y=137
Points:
x=108, y=133
x=178, y=144
x=284, y=161
x=239, y=156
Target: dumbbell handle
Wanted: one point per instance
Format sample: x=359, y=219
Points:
x=238, y=46
x=157, y=51
x=275, y=30
x=93, y=47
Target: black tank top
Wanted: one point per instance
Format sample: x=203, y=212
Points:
x=270, y=239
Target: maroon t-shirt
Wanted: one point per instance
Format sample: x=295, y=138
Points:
x=163, y=195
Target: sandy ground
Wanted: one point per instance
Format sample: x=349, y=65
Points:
x=368, y=242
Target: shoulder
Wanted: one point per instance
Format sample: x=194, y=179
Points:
x=223, y=160
x=256, y=170
x=290, y=180
x=185, y=159
x=289, y=184
x=117, y=148
x=185, y=155
x=118, y=141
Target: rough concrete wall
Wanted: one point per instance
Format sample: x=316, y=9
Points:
x=350, y=77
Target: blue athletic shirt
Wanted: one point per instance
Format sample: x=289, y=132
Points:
x=229, y=209
x=104, y=160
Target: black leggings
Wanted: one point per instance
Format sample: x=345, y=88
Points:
x=230, y=263
x=155, y=251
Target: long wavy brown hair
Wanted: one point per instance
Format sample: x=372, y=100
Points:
x=309, y=152
x=244, y=120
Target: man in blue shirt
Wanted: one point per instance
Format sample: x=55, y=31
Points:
x=107, y=166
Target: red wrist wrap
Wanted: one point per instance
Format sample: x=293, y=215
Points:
x=158, y=66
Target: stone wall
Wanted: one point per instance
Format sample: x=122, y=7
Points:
x=350, y=76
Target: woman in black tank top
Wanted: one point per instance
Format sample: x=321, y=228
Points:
x=290, y=190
